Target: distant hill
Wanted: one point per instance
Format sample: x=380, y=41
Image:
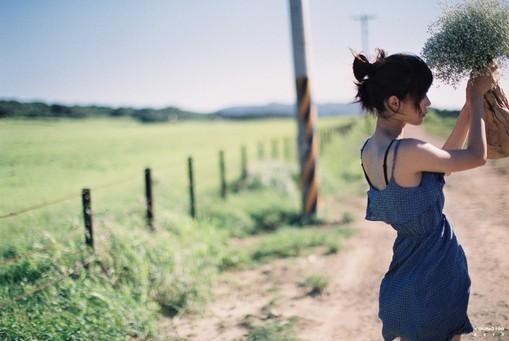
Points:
x=287, y=110
x=13, y=108
x=16, y=109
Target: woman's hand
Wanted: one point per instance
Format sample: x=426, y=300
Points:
x=478, y=86
x=457, y=138
x=469, y=93
x=466, y=110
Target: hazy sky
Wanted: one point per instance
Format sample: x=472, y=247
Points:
x=198, y=55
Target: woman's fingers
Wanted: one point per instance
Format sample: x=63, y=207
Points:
x=493, y=66
x=483, y=83
x=469, y=89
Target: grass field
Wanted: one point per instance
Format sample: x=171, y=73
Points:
x=52, y=287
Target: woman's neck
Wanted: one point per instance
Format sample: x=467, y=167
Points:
x=388, y=129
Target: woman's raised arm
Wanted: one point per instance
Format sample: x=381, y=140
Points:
x=458, y=136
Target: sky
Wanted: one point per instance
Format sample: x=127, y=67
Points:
x=195, y=54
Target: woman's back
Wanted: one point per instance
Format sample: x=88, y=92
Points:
x=404, y=207
x=378, y=161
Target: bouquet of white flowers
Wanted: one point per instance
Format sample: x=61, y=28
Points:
x=464, y=41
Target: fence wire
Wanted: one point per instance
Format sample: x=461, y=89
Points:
x=285, y=155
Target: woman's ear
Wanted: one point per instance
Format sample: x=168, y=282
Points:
x=392, y=104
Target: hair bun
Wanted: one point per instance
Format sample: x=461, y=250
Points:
x=362, y=67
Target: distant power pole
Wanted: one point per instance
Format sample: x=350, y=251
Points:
x=306, y=111
x=364, y=18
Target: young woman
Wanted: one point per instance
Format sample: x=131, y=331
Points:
x=424, y=294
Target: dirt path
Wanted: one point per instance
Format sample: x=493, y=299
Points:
x=476, y=204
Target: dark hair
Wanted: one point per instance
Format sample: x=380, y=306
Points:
x=401, y=75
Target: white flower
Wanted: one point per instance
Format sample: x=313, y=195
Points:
x=466, y=38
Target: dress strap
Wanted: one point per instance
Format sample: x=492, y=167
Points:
x=394, y=157
x=365, y=174
x=385, y=161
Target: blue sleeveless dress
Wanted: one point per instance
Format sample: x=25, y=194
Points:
x=424, y=294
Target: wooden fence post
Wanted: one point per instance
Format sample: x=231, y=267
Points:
x=191, y=187
x=222, y=174
x=274, y=149
x=260, y=150
x=287, y=148
x=148, y=196
x=243, y=154
x=87, y=217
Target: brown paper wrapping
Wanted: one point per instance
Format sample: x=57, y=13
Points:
x=496, y=119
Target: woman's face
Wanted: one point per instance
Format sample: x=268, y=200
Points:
x=412, y=114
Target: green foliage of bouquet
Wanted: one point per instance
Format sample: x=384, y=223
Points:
x=466, y=37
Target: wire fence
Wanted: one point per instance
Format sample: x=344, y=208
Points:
x=325, y=135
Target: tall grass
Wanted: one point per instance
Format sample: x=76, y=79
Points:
x=52, y=287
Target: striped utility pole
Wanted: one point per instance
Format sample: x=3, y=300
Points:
x=307, y=141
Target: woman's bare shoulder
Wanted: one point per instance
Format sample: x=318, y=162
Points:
x=419, y=155
x=411, y=143
x=408, y=152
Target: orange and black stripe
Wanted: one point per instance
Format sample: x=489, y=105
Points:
x=309, y=172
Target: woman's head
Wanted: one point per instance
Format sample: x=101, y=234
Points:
x=392, y=83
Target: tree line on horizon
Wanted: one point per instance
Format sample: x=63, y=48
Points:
x=16, y=109
x=41, y=110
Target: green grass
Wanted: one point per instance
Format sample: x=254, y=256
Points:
x=315, y=284
x=285, y=242
x=42, y=161
x=340, y=170
x=49, y=290
x=438, y=125
x=272, y=330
